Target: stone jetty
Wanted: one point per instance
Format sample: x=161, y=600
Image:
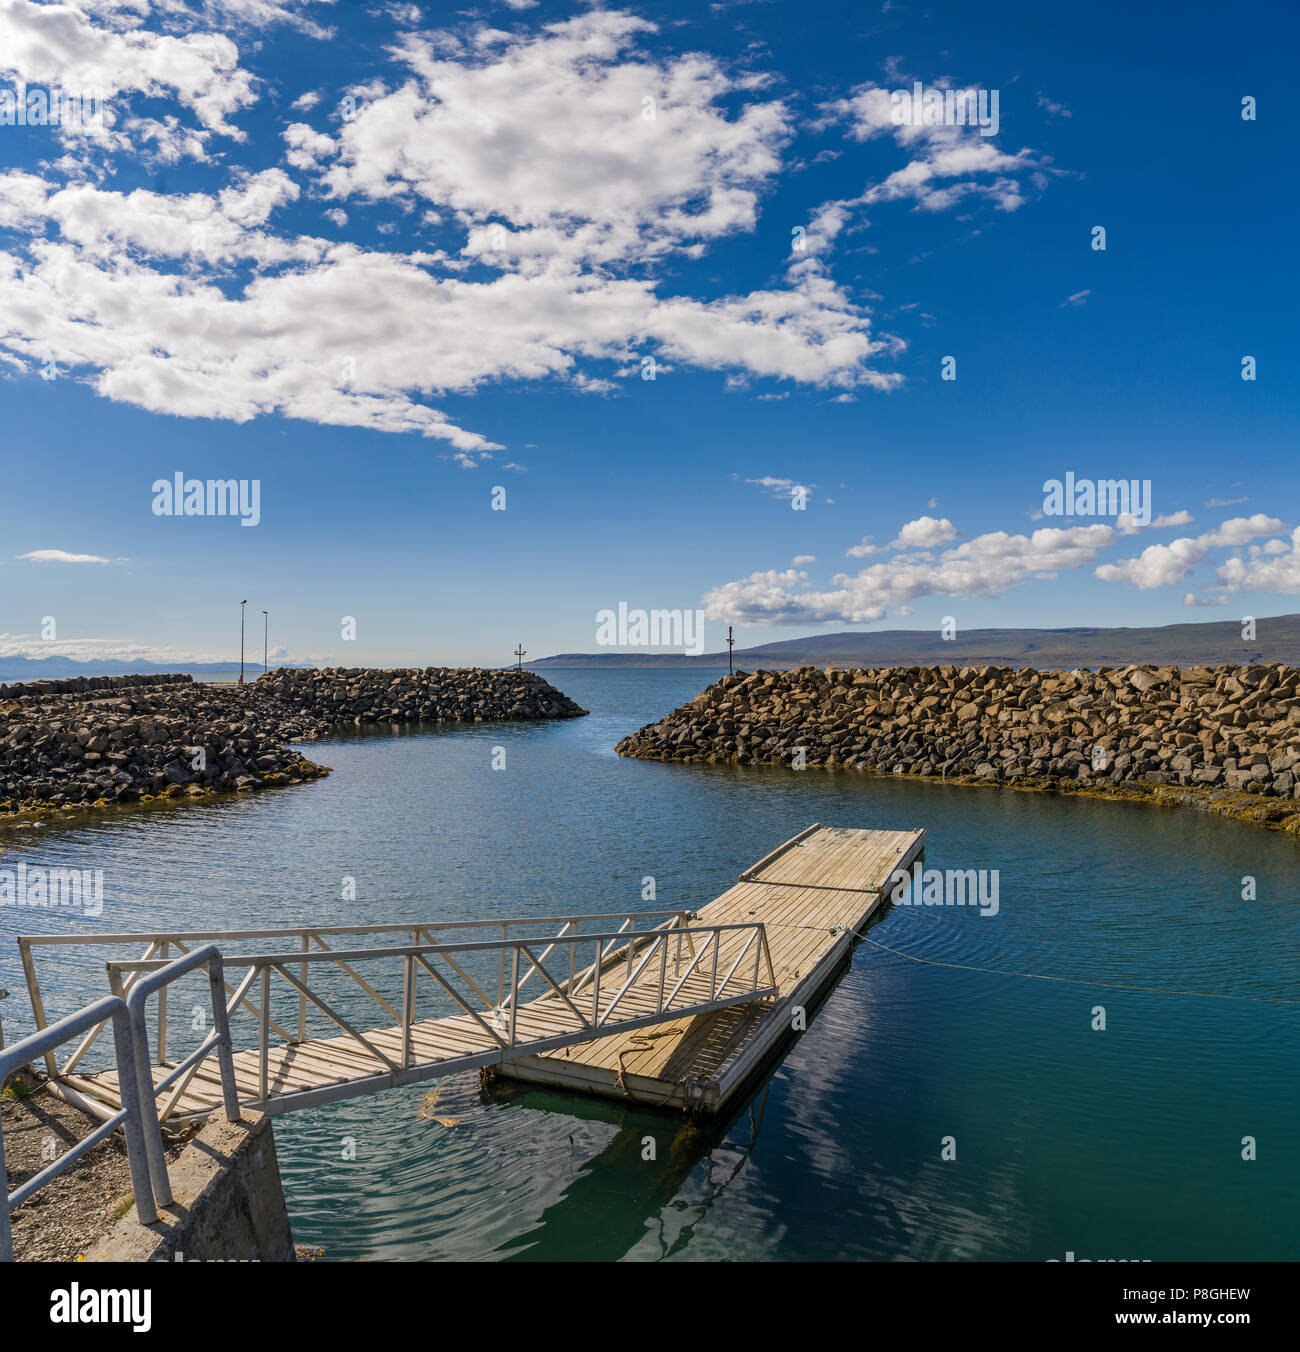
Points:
x=93, y=741
x=1166, y=732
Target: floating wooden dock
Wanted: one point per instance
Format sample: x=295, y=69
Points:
x=803, y=894
x=672, y=1009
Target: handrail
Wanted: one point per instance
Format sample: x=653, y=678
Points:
x=589, y=983
x=160, y=941
x=130, y=1117
x=195, y=936
x=655, y=983
x=218, y=1040
x=396, y=950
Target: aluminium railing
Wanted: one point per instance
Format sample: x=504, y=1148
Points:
x=138, y=1116
x=161, y=943
x=712, y=967
x=217, y=1042
x=111, y=1009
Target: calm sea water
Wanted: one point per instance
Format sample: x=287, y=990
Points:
x=1123, y=1143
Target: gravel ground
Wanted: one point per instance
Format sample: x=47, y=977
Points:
x=67, y=1215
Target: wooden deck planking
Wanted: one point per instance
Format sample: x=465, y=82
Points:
x=821, y=878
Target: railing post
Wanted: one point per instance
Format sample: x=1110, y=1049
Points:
x=149, y=1124
x=302, y=999
x=501, y=970
x=6, y=1226
x=221, y=1030
x=162, y=1013
x=408, y=1002
x=134, y=1128
x=38, y=1005
x=514, y=991
x=663, y=971
x=264, y=1049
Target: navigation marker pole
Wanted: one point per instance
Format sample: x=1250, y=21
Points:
x=731, y=643
x=520, y=653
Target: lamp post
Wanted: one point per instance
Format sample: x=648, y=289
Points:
x=242, y=604
x=266, y=640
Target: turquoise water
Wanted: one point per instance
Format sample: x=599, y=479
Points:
x=1124, y=1143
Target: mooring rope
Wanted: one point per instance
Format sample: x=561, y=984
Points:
x=1066, y=980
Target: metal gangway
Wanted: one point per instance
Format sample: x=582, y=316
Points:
x=453, y=996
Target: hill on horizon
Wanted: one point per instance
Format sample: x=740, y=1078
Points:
x=1208, y=643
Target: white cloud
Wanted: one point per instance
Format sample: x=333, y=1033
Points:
x=61, y=46
x=949, y=164
x=1268, y=571
x=984, y=566
x=861, y=550
x=924, y=533
x=62, y=556
x=780, y=488
x=532, y=144
x=1162, y=565
x=106, y=650
x=550, y=131
x=1157, y=565
x=1241, y=529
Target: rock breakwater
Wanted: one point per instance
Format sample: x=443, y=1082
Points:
x=1158, y=731
x=90, y=742
x=367, y=695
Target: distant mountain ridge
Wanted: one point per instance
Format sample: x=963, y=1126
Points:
x=1211, y=643
x=53, y=668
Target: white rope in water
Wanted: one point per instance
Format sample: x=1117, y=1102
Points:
x=1065, y=980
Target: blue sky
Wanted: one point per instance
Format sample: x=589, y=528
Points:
x=386, y=258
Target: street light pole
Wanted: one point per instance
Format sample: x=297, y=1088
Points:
x=266, y=640
x=242, y=604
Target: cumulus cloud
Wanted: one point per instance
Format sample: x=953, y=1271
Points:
x=984, y=566
x=948, y=165
x=1241, y=529
x=924, y=533
x=104, y=50
x=1157, y=565
x=987, y=565
x=1162, y=565
x=536, y=149
x=585, y=145
x=1267, y=570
